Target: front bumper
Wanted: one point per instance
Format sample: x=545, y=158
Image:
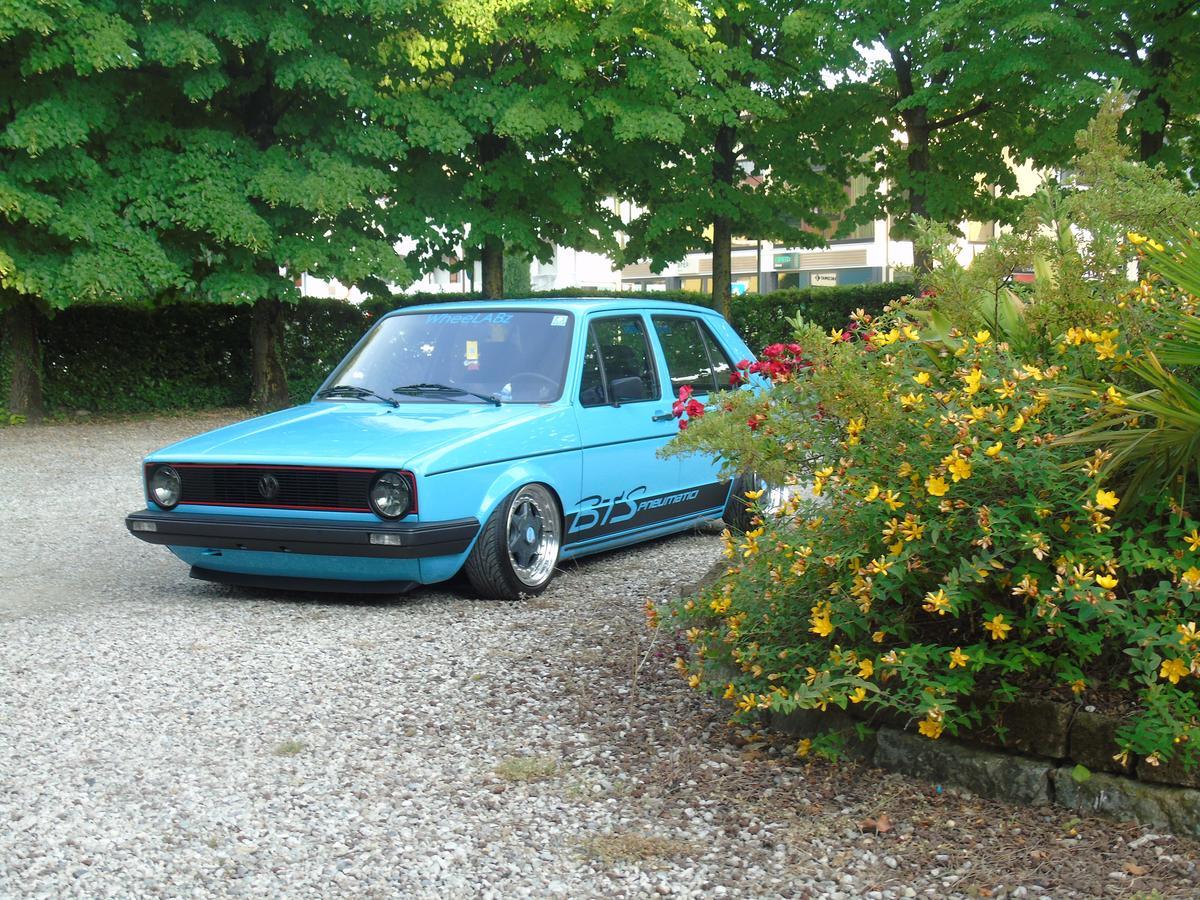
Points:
x=314, y=537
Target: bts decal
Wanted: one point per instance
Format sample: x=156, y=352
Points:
x=600, y=516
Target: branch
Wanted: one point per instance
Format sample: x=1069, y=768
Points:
x=977, y=110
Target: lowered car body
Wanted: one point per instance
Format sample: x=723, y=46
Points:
x=495, y=439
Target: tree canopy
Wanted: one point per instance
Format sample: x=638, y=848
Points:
x=152, y=150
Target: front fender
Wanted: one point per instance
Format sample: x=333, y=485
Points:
x=477, y=492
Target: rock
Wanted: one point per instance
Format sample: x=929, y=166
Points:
x=1158, y=806
x=1172, y=771
x=1037, y=727
x=1093, y=743
x=988, y=774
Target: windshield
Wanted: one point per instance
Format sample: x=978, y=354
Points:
x=461, y=357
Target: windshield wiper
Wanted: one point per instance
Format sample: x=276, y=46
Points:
x=425, y=388
x=353, y=390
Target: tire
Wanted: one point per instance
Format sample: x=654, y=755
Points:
x=517, y=550
x=737, y=515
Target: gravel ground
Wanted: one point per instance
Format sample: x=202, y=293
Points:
x=165, y=737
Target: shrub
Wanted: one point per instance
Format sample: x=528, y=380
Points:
x=949, y=552
x=107, y=358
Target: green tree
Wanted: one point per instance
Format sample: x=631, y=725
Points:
x=1152, y=50
x=768, y=135
x=973, y=88
x=65, y=231
x=499, y=101
x=267, y=153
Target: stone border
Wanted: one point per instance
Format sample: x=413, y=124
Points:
x=1036, y=762
x=1000, y=774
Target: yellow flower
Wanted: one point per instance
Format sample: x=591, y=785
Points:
x=747, y=702
x=937, y=602
x=958, y=658
x=1018, y=423
x=1105, y=349
x=681, y=665
x=1078, y=686
x=936, y=485
x=995, y=449
x=730, y=691
x=911, y=333
x=912, y=401
x=878, y=637
x=1191, y=578
x=1135, y=238
x=1188, y=634
x=1193, y=539
x=872, y=494
x=931, y=728
x=892, y=499
x=859, y=695
x=1107, y=499
x=997, y=627
x=804, y=747
x=982, y=337
x=821, y=625
x=866, y=668
x=754, y=495
x=921, y=378
x=959, y=468
x=1106, y=581
x=1173, y=670
x=972, y=381
x=694, y=681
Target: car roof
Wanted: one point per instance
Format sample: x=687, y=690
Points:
x=572, y=304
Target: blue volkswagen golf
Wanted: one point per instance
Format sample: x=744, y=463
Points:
x=492, y=439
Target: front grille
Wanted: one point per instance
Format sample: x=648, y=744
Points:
x=276, y=487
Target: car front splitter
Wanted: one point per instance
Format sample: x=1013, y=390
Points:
x=321, y=537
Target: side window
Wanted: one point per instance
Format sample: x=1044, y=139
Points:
x=694, y=356
x=591, y=390
x=617, y=367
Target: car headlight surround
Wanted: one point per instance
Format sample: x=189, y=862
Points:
x=391, y=495
x=166, y=487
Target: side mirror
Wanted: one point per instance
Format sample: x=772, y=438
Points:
x=631, y=388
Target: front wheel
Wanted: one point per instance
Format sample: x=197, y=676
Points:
x=518, y=548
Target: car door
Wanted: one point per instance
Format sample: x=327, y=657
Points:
x=695, y=357
x=623, y=421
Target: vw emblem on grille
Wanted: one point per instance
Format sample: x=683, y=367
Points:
x=268, y=487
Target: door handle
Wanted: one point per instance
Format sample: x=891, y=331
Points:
x=662, y=416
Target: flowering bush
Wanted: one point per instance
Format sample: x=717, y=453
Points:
x=948, y=551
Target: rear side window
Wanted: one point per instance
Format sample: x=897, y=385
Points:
x=616, y=363
x=694, y=356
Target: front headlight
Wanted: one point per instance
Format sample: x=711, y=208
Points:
x=165, y=487
x=391, y=495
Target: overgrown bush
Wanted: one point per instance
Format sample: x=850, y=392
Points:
x=950, y=551
x=106, y=358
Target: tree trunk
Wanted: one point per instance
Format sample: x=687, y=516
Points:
x=269, y=389
x=492, y=264
x=916, y=124
x=25, y=358
x=722, y=268
x=1151, y=142
x=725, y=170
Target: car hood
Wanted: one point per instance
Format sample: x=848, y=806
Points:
x=418, y=436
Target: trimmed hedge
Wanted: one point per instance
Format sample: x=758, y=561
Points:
x=195, y=355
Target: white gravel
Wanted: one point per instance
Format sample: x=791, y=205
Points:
x=161, y=736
